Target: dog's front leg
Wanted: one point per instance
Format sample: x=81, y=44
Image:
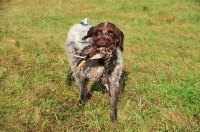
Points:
x=113, y=95
x=82, y=85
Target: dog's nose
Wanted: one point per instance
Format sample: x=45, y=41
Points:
x=102, y=43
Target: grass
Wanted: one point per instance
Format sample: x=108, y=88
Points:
x=161, y=58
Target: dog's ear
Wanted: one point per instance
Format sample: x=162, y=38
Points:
x=121, y=40
x=89, y=33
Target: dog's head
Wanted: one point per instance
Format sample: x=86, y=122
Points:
x=106, y=34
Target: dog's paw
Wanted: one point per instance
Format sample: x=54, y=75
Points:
x=81, y=102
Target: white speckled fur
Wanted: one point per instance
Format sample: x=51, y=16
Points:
x=92, y=69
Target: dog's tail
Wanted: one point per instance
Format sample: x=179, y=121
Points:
x=85, y=21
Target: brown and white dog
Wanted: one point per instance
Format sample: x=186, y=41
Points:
x=104, y=34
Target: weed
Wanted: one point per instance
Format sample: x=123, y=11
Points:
x=159, y=90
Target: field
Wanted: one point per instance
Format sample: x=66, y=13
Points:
x=160, y=87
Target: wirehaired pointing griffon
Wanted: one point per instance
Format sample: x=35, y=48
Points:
x=95, y=52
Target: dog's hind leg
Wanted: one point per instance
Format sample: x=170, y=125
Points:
x=69, y=76
x=82, y=85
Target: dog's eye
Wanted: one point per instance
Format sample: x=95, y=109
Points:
x=99, y=32
x=111, y=34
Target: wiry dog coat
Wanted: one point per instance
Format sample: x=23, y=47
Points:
x=93, y=69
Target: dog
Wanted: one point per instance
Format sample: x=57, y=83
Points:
x=104, y=34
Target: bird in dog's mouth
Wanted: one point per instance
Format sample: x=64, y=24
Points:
x=93, y=52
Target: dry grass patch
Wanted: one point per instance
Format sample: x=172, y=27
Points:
x=158, y=92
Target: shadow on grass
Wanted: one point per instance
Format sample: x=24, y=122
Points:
x=122, y=81
x=97, y=86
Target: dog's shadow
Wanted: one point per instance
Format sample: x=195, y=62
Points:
x=97, y=86
x=122, y=81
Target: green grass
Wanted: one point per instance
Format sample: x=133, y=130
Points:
x=161, y=59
